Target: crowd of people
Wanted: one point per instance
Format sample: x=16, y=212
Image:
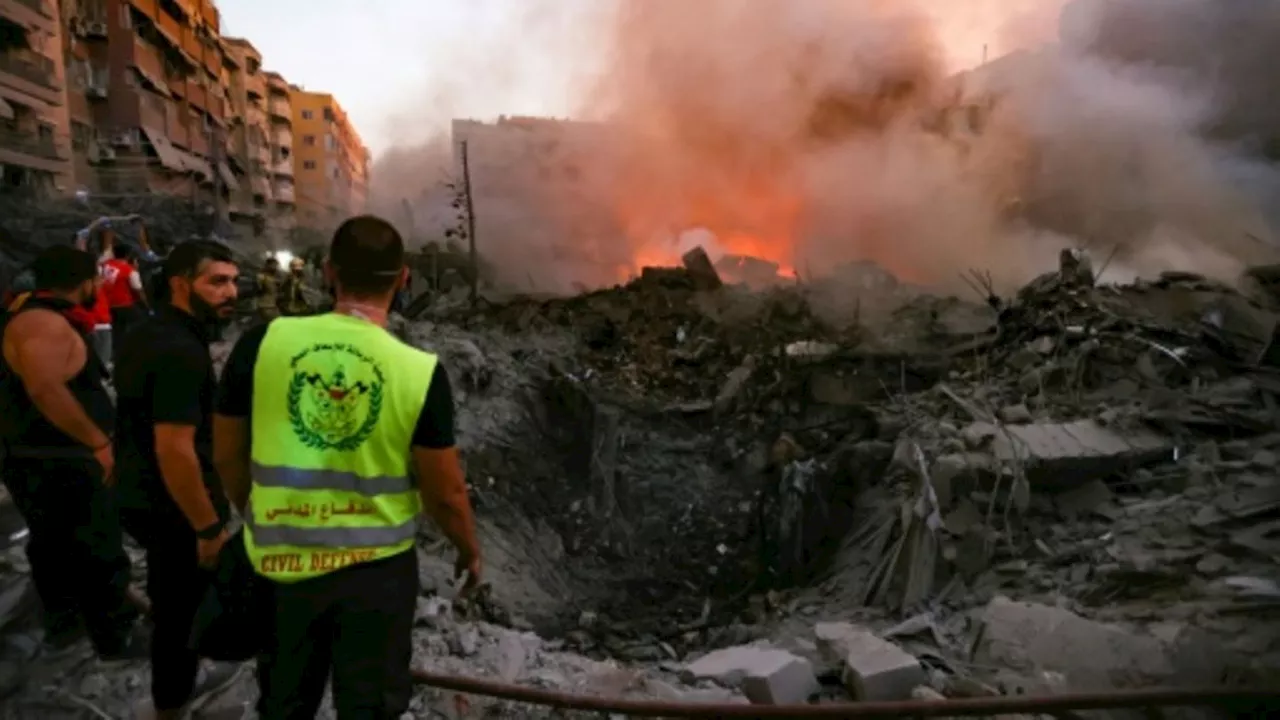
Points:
x=325, y=434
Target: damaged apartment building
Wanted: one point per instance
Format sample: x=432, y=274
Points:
x=129, y=97
x=35, y=153
x=146, y=98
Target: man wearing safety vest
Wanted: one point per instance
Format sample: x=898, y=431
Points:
x=332, y=436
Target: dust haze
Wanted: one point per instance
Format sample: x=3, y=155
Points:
x=822, y=132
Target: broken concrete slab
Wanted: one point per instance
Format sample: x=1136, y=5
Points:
x=767, y=676
x=701, y=270
x=872, y=669
x=1070, y=453
x=1091, y=656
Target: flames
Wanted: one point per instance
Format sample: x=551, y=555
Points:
x=666, y=213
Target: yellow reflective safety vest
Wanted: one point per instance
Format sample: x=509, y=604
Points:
x=335, y=403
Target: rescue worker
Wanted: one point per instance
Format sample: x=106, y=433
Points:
x=323, y=424
x=268, y=301
x=56, y=427
x=122, y=284
x=171, y=500
x=293, y=299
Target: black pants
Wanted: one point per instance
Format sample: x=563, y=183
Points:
x=356, y=623
x=78, y=562
x=122, y=319
x=176, y=584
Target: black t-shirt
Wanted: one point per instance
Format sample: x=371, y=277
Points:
x=164, y=375
x=235, y=393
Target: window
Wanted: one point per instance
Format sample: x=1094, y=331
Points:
x=329, y=143
x=309, y=165
x=81, y=136
x=328, y=114
x=309, y=139
x=308, y=115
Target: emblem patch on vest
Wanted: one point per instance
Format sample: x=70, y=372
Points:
x=335, y=397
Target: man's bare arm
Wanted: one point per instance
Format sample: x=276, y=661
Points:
x=180, y=468
x=231, y=457
x=444, y=496
x=42, y=349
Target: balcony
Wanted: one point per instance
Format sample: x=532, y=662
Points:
x=256, y=85
x=282, y=137
x=33, y=74
x=279, y=109
x=146, y=59
x=29, y=150
x=211, y=16
x=197, y=95
x=283, y=168
x=28, y=13
x=283, y=192
x=170, y=28
x=260, y=186
x=191, y=45
x=198, y=140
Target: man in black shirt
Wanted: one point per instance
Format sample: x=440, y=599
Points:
x=348, y=611
x=171, y=500
x=56, y=428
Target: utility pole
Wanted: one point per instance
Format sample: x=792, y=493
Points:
x=471, y=225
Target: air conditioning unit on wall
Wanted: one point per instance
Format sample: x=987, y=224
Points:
x=96, y=91
x=97, y=29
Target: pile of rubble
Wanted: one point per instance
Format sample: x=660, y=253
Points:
x=842, y=503
x=1107, y=449
x=28, y=226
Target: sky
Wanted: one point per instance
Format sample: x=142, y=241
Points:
x=403, y=68
x=390, y=63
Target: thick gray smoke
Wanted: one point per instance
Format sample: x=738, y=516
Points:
x=820, y=132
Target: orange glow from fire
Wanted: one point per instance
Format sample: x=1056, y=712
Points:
x=755, y=216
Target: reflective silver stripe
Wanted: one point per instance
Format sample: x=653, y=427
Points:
x=296, y=479
x=332, y=537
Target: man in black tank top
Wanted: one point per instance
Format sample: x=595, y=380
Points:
x=56, y=429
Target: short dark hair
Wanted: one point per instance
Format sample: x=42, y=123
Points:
x=367, y=256
x=186, y=258
x=63, y=268
x=120, y=251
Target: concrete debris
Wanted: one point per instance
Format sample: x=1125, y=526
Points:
x=872, y=669
x=766, y=676
x=1066, y=454
x=1091, y=656
x=850, y=449
x=701, y=270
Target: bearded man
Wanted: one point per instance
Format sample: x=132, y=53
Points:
x=171, y=501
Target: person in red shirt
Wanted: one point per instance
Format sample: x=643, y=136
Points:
x=122, y=288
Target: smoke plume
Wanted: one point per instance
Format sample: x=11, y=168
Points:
x=821, y=132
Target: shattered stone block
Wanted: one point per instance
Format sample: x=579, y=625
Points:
x=765, y=675
x=1091, y=656
x=701, y=270
x=873, y=669
x=1066, y=454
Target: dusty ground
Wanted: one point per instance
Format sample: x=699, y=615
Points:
x=659, y=471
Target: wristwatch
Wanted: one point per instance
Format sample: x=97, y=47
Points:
x=211, y=532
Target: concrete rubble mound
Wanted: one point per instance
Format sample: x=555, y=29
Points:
x=689, y=488
x=27, y=226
